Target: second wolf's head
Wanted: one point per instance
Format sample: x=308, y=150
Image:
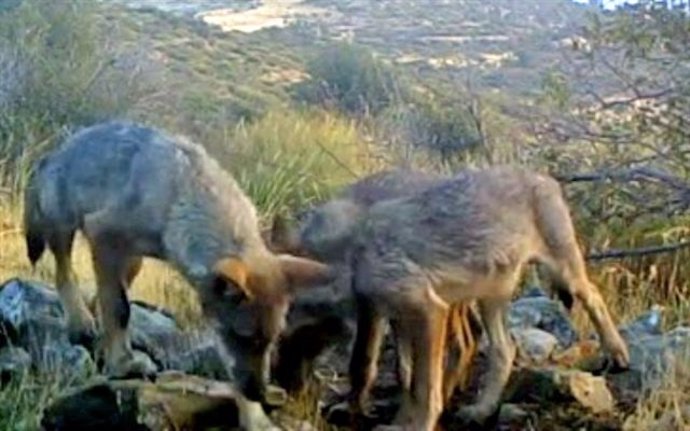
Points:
x=325, y=231
x=322, y=232
x=251, y=296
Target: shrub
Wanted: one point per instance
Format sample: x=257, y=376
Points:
x=443, y=128
x=287, y=159
x=349, y=78
x=59, y=68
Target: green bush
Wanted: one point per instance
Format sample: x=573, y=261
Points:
x=287, y=159
x=442, y=128
x=59, y=68
x=349, y=78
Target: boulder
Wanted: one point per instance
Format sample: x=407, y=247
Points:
x=534, y=345
x=31, y=317
x=554, y=385
x=536, y=310
x=172, y=401
x=652, y=358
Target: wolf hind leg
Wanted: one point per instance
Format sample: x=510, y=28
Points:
x=81, y=326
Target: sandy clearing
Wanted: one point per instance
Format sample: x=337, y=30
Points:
x=271, y=13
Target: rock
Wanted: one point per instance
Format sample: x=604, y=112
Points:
x=578, y=355
x=288, y=422
x=31, y=317
x=534, y=345
x=541, y=312
x=151, y=328
x=63, y=358
x=553, y=385
x=591, y=392
x=652, y=357
x=14, y=362
x=649, y=323
x=30, y=314
x=172, y=401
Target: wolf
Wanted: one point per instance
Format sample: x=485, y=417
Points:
x=135, y=191
x=467, y=238
x=325, y=232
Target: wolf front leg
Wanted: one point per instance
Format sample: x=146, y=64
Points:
x=110, y=266
x=423, y=327
x=365, y=354
x=463, y=333
x=501, y=356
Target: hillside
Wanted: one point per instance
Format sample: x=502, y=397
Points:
x=507, y=45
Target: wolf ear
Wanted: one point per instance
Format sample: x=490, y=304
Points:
x=233, y=270
x=302, y=272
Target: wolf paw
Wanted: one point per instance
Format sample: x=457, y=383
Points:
x=83, y=333
x=618, y=351
x=474, y=414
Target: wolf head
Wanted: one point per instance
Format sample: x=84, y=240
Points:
x=253, y=295
x=322, y=232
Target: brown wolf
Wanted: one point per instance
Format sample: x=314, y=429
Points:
x=466, y=238
x=325, y=232
x=135, y=191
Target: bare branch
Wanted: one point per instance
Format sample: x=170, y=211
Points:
x=638, y=252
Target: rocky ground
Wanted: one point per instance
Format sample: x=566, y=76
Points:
x=560, y=380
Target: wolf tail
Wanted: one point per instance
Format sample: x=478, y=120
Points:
x=35, y=240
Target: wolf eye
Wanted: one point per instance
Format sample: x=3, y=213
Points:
x=222, y=289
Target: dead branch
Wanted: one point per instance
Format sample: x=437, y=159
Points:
x=634, y=174
x=638, y=252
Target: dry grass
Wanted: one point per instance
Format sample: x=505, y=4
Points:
x=667, y=408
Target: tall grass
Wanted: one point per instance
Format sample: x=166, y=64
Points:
x=288, y=159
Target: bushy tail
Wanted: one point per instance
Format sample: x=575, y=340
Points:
x=35, y=241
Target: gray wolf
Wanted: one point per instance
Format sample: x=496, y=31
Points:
x=466, y=238
x=135, y=192
x=326, y=231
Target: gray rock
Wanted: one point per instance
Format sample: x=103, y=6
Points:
x=541, y=312
x=30, y=314
x=62, y=358
x=31, y=317
x=556, y=385
x=648, y=323
x=652, y=357
x=534, y=345
x=14, y=362
x=193, y=352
